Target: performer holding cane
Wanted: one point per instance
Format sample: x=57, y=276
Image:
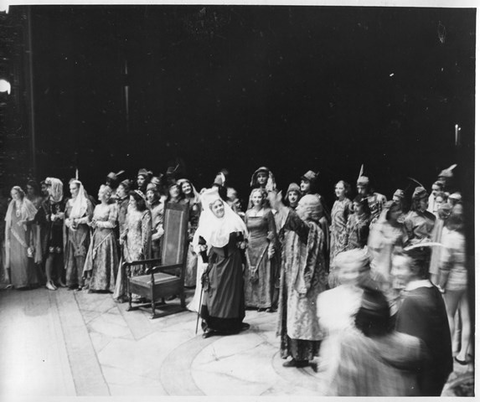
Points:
x=221, y=234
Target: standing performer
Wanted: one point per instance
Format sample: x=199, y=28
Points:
x=19, y=253
x=376, y=201
x=54, y=207
x=303, y=278
x=102, y=258
x=78, y=213
x=221, y=233
x=340, y=213
x=260, y=273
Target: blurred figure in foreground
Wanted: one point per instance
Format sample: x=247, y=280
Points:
x=422, y=314
x=375, y=361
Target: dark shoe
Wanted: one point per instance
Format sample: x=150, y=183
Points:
x=244, y=326
x=290, y=363
x=208, y=333
x=296, y=363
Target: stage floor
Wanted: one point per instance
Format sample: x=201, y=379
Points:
x=68, y=344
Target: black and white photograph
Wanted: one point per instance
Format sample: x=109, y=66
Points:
x=237, y=199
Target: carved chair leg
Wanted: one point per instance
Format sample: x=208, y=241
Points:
x=129, y=301
x=153, y=308
x=182, y=299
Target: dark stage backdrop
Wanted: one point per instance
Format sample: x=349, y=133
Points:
x=238, y=87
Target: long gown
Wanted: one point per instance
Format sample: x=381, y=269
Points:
x=303, y=278
x=137, y=246
x=260, y=272
x=23, y=270
x=77, y=242
x=338, y=229
x=223, y=306
x=101, y=263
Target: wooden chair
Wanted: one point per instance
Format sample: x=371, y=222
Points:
x=163, y=277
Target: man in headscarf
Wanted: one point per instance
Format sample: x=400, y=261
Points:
x=303, y=277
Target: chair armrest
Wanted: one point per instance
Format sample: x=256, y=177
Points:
x=161, y=268
x=142, y=262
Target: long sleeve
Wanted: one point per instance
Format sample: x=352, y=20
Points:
x=297, y=225
x=272, y=231
x=146, y=231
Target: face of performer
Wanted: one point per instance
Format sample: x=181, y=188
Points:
x=174, y=192
x=305, y=186
x=422, y=204
x=401, y=271
x=140, y=181
x=358, y=208
x=257, y=199
x=438, y=202
x=121, y=193
x=30, y=190
x=293, y=198
x=362, y=190
x=262, y=178
x=396, y=199
x=218, y=209
x=435, y=189
x=15, y=195
x=44, y=189
x=74, y=189
x=186, y=188
x=103, y=194
x=151, y=196
x=132, y=202
x=340, y=190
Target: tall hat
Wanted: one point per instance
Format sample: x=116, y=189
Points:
x=152, y=186
x=448, y=172
x=399, y=193
x=144, y=172
x=363, y=181
x=127, y=184
x=114, y=176
x=310, y=176
x=419, y=193
x=156, y=181
x=293, y=187
x=220, y=179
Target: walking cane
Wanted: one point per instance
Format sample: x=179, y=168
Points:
x=199, y=310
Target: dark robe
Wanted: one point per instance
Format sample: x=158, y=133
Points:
x=422, y=314
x=223, y=307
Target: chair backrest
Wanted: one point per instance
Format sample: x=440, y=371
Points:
x=175, y=240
